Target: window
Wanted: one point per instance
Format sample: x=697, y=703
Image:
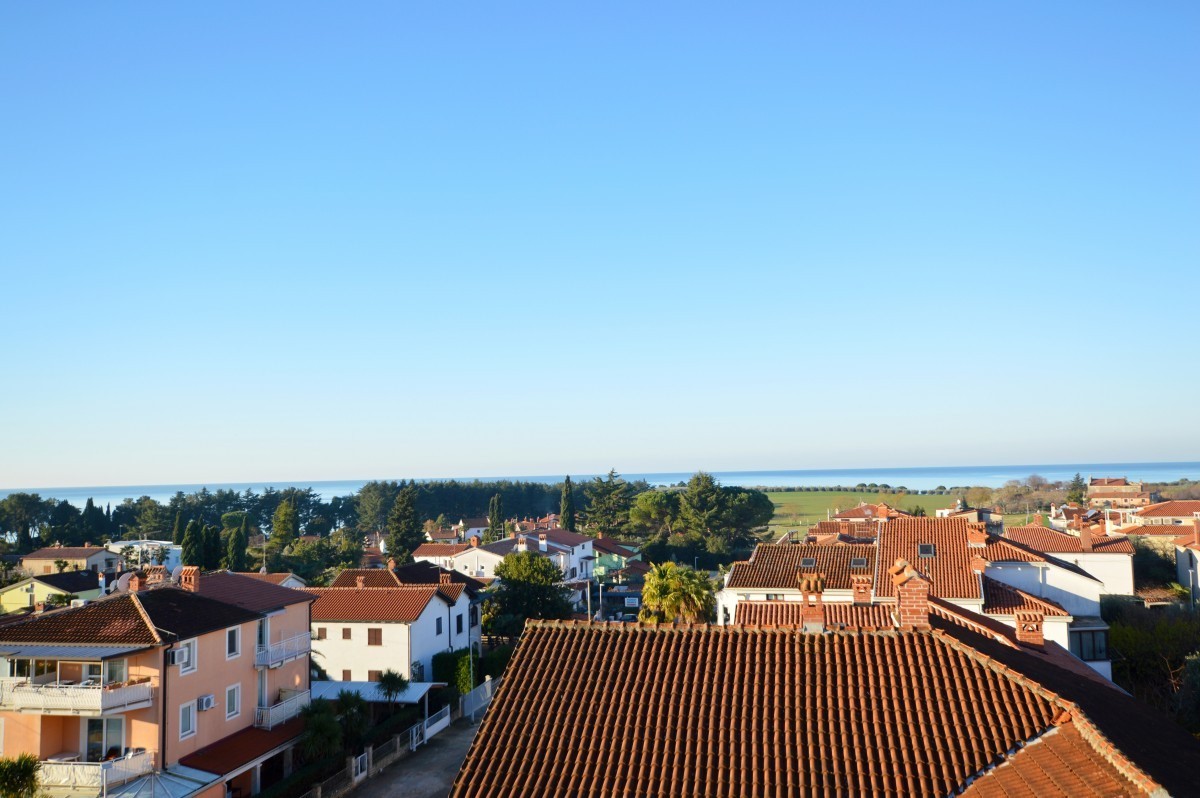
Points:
x=858, y=562
x=114, y=671
x=105, y=739
x=345, y=632
x=233, y=642
x=458, y=624
x=774, y=597
x=1090, y=645
x=187, y=661
x=346, y=676
x=926, y=550
x=375, y=637
x=233, y=701
x=808, y=562
x=474, y=616
x=187, y=720
x=373, y=676
x=320, y=632
x=439, y=625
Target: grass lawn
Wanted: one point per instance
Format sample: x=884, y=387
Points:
x=796, y=509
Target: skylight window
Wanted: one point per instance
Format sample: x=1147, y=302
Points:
x=926, y=550
x=858, y=562
x=808, y=562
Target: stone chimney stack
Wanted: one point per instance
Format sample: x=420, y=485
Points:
x=1085, y=537
x=912, y=597
x=542, y=542
x=1029, y=629
x=976, y=536
x=189, y=578
x=861, y=585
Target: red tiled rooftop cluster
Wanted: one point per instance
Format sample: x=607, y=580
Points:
x=777, y=565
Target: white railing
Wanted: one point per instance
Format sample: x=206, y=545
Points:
x=437, y=721
x=480, y=697
x=96, y=775
x=275, y=654
x=272, y=716
x=72, y=698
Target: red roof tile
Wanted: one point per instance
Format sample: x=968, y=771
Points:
x=66, y=553
x=838, y=615
x=1176, y=508
x=440, y=549
x=372, y=604
x=949, y=568
x=1002, y=599
x=1052, y=541
x=255, y=595
x=866, y=510
x=274, y=579
x=776, y=565
x=242, y=747
x=372, y=577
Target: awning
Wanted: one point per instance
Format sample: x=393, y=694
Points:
x=84, y=653
x=370, y=692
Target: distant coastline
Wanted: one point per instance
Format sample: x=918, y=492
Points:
x=910, y=478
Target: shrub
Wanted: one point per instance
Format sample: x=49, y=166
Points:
x=453, y=668
x=495, y=661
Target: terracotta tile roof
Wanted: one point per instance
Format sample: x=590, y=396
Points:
x=1051, y=541
x=613, y=547
x=242, y=747
x=251, y=594
x=372, y=577
x=1107, y=481
x=427, y=573
x=838, y=615
x=67, y=553
x=440, y=549
x=775, y=565
x=866, y=510
x=848, y=530
x=949, y=570
x=1002, y=599
x=1176, y=508
x=1059, y=761
x=372, y=604
x=1118, y=494
x=275, y=579
x=774, y=711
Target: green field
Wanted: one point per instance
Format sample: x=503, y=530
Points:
x=796, y=509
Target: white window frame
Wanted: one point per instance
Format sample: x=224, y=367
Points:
x=237, y=689
x=237, y=630
x=190, y=734
x=193, y=648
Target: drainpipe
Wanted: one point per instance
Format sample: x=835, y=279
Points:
x=162, y=726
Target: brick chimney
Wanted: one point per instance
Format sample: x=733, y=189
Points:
x=542, y=542
x=155, y=574
x=812, y=611
x=1037, y=519
x=444, y=578
x=474, y=541
x=360, y=581
x=391, y=563
x=135, y=583
x=1029, y=629
x=912, y=597
x=189, y=578
x=978, y=564
x=1085, y=537
x=976, y=536
x=861, y=585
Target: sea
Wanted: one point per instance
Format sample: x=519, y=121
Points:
x=928, y=478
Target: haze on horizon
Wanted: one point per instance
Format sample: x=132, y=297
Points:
x=305, y=242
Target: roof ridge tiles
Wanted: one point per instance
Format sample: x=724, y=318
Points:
x=145, y=617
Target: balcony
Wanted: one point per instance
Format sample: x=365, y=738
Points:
x=285, y=710
x=275, y=654
x=97, y=776
x=58, y=698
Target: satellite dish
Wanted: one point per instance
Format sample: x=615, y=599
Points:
x=176, y=572
x=122, y=585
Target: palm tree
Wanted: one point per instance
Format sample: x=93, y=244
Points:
x=675, y=592
x=354, y=718
x=322, y=732
x=392, y=684
x=19, y=776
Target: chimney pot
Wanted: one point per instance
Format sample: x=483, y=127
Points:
x=135, y=583
x=542, y=542
x=912, y=597
x=474, y=541
x=444, y=578
x=391, y=563
x=1085, y=537
x=861, y=585
x=189, y=578
x=1029, y=629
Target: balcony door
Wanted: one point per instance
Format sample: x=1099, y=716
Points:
x=105, y=738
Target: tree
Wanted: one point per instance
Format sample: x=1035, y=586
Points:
x=177, y=532
x=653, y=514
x=675, y=592
x=530, y=587
x=19, y=776
x=495, y=527
x=1077, y=490
x=235, y=549
x=566, y=506
x=404, y=532
x=212, y=548
x=354, y=718
x=322, y=732
x=93, y=523
x=609, y=500
x=283, y=526
x=373, y=504
x=392, y=684
x=193, y=544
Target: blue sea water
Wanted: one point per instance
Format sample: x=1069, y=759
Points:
x=911, y=478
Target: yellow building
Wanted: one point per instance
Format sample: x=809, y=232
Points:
x=38, y=590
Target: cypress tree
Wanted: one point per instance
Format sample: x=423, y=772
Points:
x=235, y=550
x=177, y=533
x=283, y=526
x=495, y=527
x=566, y=507
x=212, y=547
x=404, y=532
x=193, y=544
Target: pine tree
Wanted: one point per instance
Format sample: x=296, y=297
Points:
x=495, y=527
x=283, y=526
x=177, y=533
x=1077, y=490
x=404, y=530
x=193, y=544
x=566, y=507
x=235, y=550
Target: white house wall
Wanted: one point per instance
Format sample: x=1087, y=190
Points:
x=336, y=655
x=1076, y=594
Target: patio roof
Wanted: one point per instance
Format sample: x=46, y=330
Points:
x=85, y=653
x=370, y=692
x=178, y=782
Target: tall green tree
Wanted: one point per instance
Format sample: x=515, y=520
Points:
x=530, y=587
x=674, y=592
x=609, y=500
x=566, y=506
x=24, y=514
x=235, y=548
x=212, y=547
x=177, y=532
x=283, y=526
x=404, y=529
x=495, y=527
x=193, y=544
x=1077, y=490
x=373, y=505
x=93, y=523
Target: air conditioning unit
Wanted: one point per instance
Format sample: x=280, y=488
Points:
x=205, y=702
x=177, y=656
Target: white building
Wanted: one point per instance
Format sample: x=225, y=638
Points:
x=144, y=553
x=572, y=553
x=359, y=632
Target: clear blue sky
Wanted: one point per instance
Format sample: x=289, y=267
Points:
x=290, y=241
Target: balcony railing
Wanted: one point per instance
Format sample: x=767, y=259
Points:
x=96, y=775
x=269, y=717
x=73, y=699
x=275, y=654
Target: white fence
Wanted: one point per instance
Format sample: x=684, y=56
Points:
x=96, y=775
x=437, y=721
x=479, y=698
x=48, y=699
x=275, y=654
x=272, y=716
